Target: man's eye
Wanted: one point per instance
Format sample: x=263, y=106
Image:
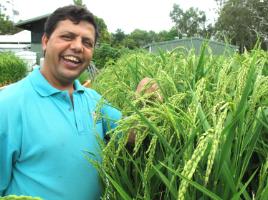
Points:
x=66, y=37
x=88, y=44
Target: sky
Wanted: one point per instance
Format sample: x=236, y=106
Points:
x=126, y=15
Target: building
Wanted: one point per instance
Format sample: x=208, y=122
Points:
x=17, y=42
x=36, y=26
x=217, y=48
x=20, y=45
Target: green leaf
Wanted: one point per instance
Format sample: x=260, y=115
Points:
x=194, y=184
x=237, y=195
x=167, y=182
x=119, y=189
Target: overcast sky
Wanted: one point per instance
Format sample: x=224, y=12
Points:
x=124, y=14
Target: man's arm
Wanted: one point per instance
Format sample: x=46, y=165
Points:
x=110, y=116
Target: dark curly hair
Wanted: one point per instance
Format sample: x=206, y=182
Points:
x=73, y=13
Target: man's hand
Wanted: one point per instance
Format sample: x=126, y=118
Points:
x=149, y=86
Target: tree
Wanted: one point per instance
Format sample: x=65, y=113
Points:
x=117, y=38
x=7, y=26
x=105, y=53
x=105, y=36
x=78, y=2
x=220, y=3
x=189, y=23
x=259, y=10
x=167, y=35
x=136, y=39
x=130, y=43
x=243, y=22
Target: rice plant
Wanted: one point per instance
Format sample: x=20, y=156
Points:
x=207, y=139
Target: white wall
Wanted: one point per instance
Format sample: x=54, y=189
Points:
x=29, y=57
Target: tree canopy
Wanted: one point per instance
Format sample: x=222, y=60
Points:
x=105, y=36
x=78, y=2
x=243, y=22
x=189, y=23
x=7, y=26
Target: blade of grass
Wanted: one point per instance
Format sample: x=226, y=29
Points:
x=196, y=185
x=124, y=178
x=119, y=189
x=264, y=193
x=251, y=146
x=200, y=66
x=165, y=180
x=243, y=189
x=229, y=129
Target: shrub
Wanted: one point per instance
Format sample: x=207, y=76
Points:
x=106, y=54
x=12, y=68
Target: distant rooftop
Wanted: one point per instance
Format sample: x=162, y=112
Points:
x=28, y=24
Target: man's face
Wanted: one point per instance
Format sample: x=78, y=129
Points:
x=69, y=51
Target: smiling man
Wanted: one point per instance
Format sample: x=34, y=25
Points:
x=49, y=121
x=68, y=51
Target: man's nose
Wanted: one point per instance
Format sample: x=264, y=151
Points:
x=77, y=45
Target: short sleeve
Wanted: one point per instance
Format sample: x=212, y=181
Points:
x=110, y=116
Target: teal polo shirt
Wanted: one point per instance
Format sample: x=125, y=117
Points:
x=45, y=139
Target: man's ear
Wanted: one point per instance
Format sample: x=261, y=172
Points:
x=44, y=42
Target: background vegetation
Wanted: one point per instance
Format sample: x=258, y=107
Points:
x=240, y=22
x=12, y=68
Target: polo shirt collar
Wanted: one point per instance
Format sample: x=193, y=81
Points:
x=43, y=87
x=78, y=87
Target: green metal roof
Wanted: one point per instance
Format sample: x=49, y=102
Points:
x=186, y=40
x=194, y=43
x=28, y=24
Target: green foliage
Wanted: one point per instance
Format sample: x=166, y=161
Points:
x=207, y=139
x=139, y=38
x=105, y=53
x=12, y=68
x=117, y=38
x=78, y=2
x=166, y=35
x=104, y=36
x=7, y=26
x=190, y=23
x=247, y=24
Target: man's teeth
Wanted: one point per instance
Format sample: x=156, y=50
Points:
x=72, y=59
